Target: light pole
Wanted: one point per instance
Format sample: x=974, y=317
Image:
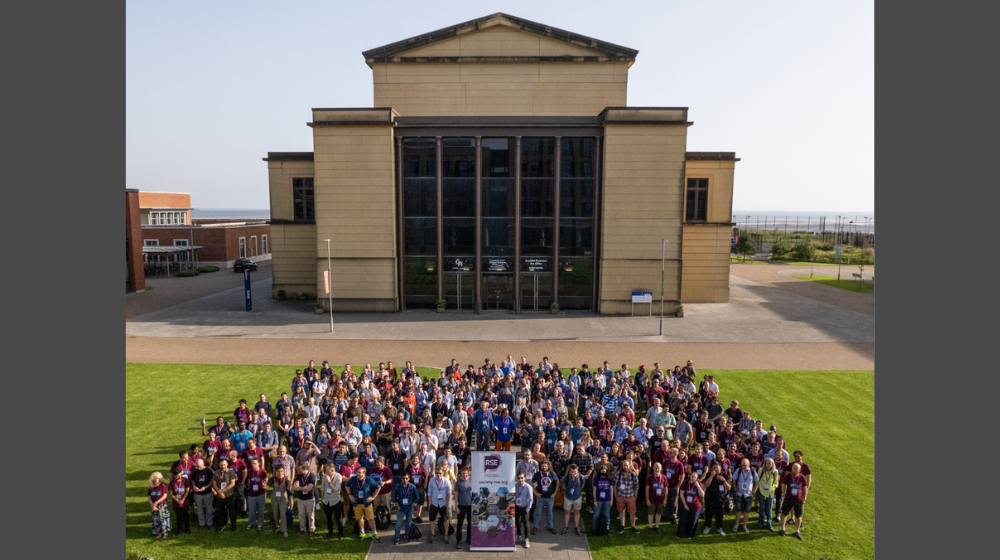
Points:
x=329, y=279
x=663, y=279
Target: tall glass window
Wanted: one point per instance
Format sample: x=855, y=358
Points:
x=420, y=221
x=458, y=185
x=498, y=197
x=537, y=196
x=576, y=222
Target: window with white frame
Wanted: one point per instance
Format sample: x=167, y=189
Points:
x=263, y=244
x=243, y=247
x=164, y=218
x=151, y=242
x=180, y=242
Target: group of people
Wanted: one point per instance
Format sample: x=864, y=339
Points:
x=358, y=445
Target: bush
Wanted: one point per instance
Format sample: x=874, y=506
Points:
x=781, y=247
x=282, y=296
x=208, y=268
x=826, y=247
x=804, y=252
x=187, y=273
x=745, y=247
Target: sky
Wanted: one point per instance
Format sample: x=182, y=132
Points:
x=211, y=87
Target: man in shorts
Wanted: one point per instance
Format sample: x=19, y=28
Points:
x=573, y=482
x=746, y=481
x=362, y=491
x=439, y=494
x=657, y=488
x=796, y=490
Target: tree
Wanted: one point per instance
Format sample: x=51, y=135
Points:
x=781, y=247
x=804, y=252
x=745, y=247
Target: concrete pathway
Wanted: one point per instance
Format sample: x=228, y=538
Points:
x=543, y=546
x=168, y=292
x=783, y=277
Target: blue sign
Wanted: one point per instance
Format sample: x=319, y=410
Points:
x=642, y=297
x=246, y=286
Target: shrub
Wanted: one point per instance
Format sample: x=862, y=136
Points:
x=441, y=303
x=555, y=307
x=187, y=273
x=804, y=252
x=149, y=288
x=781, y=247
x=745, y=247
x=208, y=268
x=826, y=247
x=282, y=296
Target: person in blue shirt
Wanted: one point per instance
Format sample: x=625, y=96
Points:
x=404, y=495
x=622, y=431
x=483, y=422
x=504, y=426
x=361, y=490
x=240, y=438
x=367, y=456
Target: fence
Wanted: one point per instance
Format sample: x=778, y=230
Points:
x=805, y=229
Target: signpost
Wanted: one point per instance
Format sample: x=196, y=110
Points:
x=494, y=502
x=642, y=297
x=246, y=286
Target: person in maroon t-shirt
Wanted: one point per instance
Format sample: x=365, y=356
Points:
x=796, y=490
x=252, y=452
x=385, y=473
x=256, y=493
x=657, y=488
x=183, y=466
x=240, y=468
x=180, y=499
x=211, y=446
x=692, y=493
x=674, y=470
x=699, y=463
x=242, y=413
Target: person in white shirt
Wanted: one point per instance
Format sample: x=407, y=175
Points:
x=313, y=411
x=430, y=440
x=351, y=434
x=319, y=388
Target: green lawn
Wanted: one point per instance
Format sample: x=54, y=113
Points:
x=830, y=415
x=164, y=405
x=850, y=285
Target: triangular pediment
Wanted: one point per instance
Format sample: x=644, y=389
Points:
x=500, y=37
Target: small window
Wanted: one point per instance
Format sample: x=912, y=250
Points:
x=697, y=200
x=253, y=245
x=153, y=219
x=263, y=244
x=243, y=247
x=151, y=242
x=180, y=242
x=302, y=200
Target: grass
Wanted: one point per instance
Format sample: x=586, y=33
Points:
x=164, y=405
x=850, y=285
x=830, y=415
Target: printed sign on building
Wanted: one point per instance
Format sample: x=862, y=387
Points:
x=493, y=478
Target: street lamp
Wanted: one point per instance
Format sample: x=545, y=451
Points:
x=329, y=280
x=663, y=279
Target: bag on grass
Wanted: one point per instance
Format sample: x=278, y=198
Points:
x=382, y=519
x=289, y=518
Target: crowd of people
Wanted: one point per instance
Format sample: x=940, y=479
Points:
x=359, y=445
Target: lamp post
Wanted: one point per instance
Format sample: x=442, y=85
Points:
x=663, y=278
x=329, y=276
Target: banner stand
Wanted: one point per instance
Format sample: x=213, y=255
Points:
x=493, y=479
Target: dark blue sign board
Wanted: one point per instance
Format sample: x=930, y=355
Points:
x=246, y=286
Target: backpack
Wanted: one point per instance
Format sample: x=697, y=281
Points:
x=382, y=519
x=415, y=533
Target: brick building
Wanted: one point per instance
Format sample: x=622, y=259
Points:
x=166, y=221
x=135, y=278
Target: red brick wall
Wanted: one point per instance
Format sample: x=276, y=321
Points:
x=219, y=244
x=133, y=243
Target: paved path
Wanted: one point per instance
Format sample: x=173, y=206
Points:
x=168, y=292
x=783, y=277
x=543, y=546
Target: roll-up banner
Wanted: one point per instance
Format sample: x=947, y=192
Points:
x=493, y=478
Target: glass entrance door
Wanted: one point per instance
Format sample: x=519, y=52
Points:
x=459, y=291
x=498, y=292
x=536, y=292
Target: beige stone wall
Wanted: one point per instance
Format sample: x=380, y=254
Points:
x=706, y=263
x=500, y=88
x=643, y=195
x=293, y=261
x=280, y=175
x=720, y=187
x=355, y=197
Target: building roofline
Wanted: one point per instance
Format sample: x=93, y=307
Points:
x=711, y=156
x=131, y=190
x=289, y=156
x=388, y=53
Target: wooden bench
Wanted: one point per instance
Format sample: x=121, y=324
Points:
x=857, y=276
